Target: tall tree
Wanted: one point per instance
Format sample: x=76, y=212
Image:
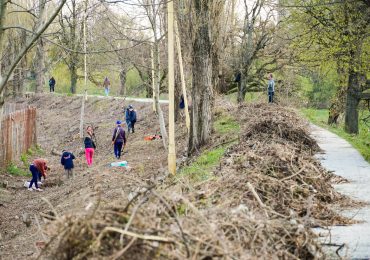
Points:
x=337, y=31
x=70, y=36
x=40, y=52
x=204, y=15
x=34, y=36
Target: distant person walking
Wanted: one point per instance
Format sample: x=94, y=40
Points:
x=90, y=145
x=106, y=86
x=118, y=139
x=271, y=88
x=52, y=84
x=67, y=162
x=130, y=119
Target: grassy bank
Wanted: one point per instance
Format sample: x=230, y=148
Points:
x=202, y=168
x=361, y=141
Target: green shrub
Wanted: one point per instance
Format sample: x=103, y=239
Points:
x=14, y=170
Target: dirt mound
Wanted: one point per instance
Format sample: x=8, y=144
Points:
x=259, y=203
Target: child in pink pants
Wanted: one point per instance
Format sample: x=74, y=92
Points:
x=89, y=145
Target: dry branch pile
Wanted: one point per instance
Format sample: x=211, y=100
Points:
x=262, y=201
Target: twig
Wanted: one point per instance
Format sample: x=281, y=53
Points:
x=251, y=188
x=295, y=174
x=132, y=234
x=176, y=219
x=120, y=253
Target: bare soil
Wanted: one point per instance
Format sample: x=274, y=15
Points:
x=260, y=202
x=58, y=128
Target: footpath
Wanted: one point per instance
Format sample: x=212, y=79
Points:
x=339, y=156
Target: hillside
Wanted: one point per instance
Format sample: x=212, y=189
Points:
x=260, y=200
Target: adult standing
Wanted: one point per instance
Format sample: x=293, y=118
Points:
x=271, y=88
x=118, y=139
x=52, y=84
x=90, y=145
x=106, y=85
x=130, y=119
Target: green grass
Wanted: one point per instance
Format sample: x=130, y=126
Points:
x=361, y=141
x=226, y=125
x=249, y=97
x=21, y=169
x=201, y=168
x=14, y=170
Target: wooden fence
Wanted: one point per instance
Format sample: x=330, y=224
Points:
x=17, y=134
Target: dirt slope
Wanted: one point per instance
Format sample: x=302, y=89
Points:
x=58, y=128
x=258, y=203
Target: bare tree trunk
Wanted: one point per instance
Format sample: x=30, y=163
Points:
x=40, y=67
x=242, y=88
x=40, y=55
x=122, y=80
x=73, y=71
x=351, y=118
x=202, y=91
x=337, y=105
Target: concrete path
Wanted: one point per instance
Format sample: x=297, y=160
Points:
x=143, y=100
x=347, y=162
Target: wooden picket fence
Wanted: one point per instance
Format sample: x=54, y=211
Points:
x=17, y=133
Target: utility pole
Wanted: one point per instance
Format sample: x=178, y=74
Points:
x=171, y=90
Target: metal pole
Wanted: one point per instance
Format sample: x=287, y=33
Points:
x=171, y=91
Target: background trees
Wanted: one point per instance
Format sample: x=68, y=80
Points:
x=318, y=51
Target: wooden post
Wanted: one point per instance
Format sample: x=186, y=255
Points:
x=153, y=76
x=82, y=114
x=183, y=85
x=85, y=47
x=84, y=98
x=171, y=90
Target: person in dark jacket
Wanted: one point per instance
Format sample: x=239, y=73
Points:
x=130, y=119
x=67, y=162
x=52, y=84
x=182, y=102
x=271, y=88
x=90, y=145
x=118, y=139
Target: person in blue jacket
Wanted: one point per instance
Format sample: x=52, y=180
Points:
x=118, y=139
x=67, y=162
x=52, y=84
x=130, y=119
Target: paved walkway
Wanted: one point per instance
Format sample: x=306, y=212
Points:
x=347, y=162
x=144, y=100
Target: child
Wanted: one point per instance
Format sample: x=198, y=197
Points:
x=67, y=162
x=90, y=145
